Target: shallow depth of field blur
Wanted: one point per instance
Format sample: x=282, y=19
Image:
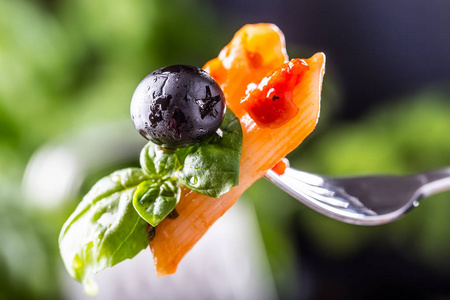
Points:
x=67, y=73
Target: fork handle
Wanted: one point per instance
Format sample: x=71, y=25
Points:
x=435, y=181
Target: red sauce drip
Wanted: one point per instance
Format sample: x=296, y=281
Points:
x=271, y=103
x=281, y=166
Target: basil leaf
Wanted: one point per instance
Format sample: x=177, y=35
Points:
x=154, y=200
x=104, y=229
x=157, y=162
x=212, y=168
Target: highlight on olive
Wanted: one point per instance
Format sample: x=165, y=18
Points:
x=177, y=106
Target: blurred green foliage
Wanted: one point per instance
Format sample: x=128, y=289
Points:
x=64, y=66
x=67, y=65
x=27, y=258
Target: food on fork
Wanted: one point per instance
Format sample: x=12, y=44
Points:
x=202, y=155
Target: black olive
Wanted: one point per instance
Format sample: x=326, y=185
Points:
x=177, y=106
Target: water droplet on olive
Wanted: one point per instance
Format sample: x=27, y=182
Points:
x=182, y=104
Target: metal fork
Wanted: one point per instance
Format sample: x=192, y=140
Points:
x=365, y=200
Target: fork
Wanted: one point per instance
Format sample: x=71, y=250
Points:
x=363, y=200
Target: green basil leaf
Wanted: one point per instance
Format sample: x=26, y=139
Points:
x=157, y=162
x=104, y=229
x=154, y=200
x=212, y=168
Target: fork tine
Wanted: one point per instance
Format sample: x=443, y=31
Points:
x=312, y=182
x=361, y=200
x=313, y=192
x=329, y=200
x=308, y=178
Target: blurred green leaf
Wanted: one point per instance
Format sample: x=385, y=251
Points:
x=72, y=64
x=276, y=212
x=27, y=267
x=104, y=229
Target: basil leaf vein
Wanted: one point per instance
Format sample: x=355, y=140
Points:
x=212, y=168
x=104, y=229
x=158, y=163
x=154, y=200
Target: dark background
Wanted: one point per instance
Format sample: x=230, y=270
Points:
x=379, y=52
x=381, y=49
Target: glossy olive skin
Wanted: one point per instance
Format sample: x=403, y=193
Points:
x=177, y=106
